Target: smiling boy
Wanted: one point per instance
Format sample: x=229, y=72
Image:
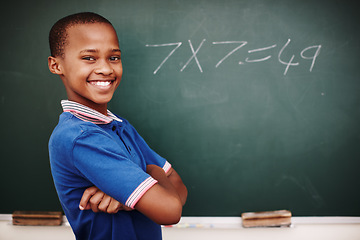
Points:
x=98, y=160
x=91, y=69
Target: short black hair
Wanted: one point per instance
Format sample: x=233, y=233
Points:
x=58, y=33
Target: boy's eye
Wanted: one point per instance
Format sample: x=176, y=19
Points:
x=89, y=58
x=115, y=58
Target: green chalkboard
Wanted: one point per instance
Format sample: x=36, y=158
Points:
x=255, y=103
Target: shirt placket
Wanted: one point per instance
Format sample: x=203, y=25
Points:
x=119, y=132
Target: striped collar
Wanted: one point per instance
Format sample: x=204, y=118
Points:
x=88, y=114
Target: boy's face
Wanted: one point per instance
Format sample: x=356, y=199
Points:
x=91, y=68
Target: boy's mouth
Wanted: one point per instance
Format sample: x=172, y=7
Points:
x=101, y=83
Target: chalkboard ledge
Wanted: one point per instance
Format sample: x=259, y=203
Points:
x=235, y=222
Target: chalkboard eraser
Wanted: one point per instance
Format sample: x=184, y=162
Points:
x=279, y=218
x=37, y=218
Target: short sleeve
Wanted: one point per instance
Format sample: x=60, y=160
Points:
x=107, y=165
x=150, y=156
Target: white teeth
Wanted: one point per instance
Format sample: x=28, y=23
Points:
x=101, y=83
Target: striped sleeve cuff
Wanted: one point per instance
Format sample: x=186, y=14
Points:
x=167, y=166
x=140, y=191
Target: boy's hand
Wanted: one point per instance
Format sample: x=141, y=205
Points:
x=96, y=200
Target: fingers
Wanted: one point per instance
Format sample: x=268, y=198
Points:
x=104, y=204
x=108, y=204
x=91, y=199
x=114, y=206
x=96, y=200
x=88, y=193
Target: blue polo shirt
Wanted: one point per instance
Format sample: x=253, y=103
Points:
x=88, y=148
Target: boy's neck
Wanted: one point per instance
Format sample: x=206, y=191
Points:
x=101, y=108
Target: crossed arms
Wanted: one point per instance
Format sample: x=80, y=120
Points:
x=162, y=203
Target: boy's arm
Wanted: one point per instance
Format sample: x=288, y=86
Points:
x=162, y=203
x=176, y=181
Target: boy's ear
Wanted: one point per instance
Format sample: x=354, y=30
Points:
x=54, y=65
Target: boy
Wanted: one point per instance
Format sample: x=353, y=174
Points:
x=98, y=160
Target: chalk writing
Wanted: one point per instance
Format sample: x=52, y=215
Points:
x=240, y=44
x=171, y=53
x=193, y=56
x=290, y=63
x=258, y=50
x=317, y=52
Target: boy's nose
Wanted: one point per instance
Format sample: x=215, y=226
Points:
x=103, y=67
